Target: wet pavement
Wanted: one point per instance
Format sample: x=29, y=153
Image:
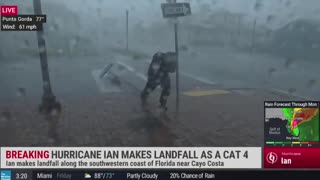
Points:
x=210, y=114
x=89, y=121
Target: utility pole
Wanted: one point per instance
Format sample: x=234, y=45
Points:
x=253, y=35
x=127, y=29
x=239, y=30
x=49, y=102
x=240, y=16
x=177, y=73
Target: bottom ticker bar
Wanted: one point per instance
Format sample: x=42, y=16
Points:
x=155, y=174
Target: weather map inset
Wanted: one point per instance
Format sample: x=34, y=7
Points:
x=291, y=123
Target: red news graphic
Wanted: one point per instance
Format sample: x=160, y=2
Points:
x=290, y=157
x=27, y=154
x=9, y=10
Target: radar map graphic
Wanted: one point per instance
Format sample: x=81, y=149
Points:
x=292, y=124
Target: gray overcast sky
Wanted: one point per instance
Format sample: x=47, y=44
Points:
x=149, y=10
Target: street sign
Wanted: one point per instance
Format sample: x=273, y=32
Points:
x=170, y=10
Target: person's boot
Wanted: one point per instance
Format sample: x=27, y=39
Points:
x=163, y=108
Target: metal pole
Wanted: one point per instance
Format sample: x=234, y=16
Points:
x=253, y=35
x=127, y=29
x=239, y=26
x=230, y=26
x=177, y=54
x=239, y=30
x=177, y=73
x=48, y=99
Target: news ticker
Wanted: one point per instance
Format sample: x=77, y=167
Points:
x=159, y=158
x=153, y=174
x=11, y=21
x=130, y=157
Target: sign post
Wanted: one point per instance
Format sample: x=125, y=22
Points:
x=177, y=73
x=172, y=9
x=49, y=102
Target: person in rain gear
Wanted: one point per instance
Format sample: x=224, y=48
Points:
x=161, y=66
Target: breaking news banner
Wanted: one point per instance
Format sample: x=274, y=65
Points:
x=130, y=157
